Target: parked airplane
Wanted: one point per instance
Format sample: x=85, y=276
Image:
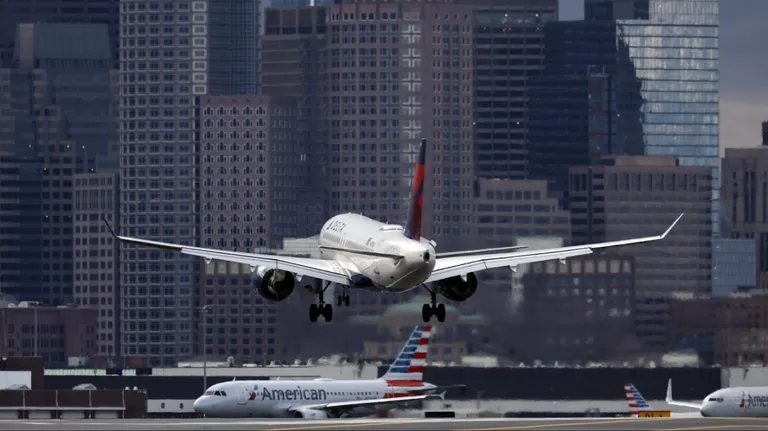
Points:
x=328, y=398
x=361, y=253
x=741, y=402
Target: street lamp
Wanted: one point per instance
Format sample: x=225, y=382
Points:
x=204, y=310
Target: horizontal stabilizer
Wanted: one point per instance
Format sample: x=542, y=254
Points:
x=481, y=251
x=364, y=253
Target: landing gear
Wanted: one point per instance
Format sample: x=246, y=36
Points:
x=433, y=308
x=343, y=298
x=321, y=308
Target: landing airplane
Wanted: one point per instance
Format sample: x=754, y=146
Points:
x=328, y=398
x=362, y=253
x=734, y=402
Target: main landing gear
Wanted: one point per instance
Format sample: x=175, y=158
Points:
x=433, y=308
x=343, y=298
x=321, y=308
x=326, y=310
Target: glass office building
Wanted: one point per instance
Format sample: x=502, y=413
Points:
x=672, y=48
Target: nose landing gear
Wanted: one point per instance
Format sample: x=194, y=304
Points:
x=433, y=308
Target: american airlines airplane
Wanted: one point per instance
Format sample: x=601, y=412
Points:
x=327, y=398
x=723, y=403
x=360, y=253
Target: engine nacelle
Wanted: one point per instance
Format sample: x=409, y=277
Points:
x=303, y=413
x=458, y=289
x=273, y=284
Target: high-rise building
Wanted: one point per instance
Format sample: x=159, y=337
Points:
x=250, y=185
x=745, y=202
x=95, y=255
x=58, y=121
x=170, y=57
x=14, y=12
x=293, y=65
x=671, y=48
x=633, y=196
x=508, y=41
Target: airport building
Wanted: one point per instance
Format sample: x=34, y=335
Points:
x=636, y=196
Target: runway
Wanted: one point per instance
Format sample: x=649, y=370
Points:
x=495, y=424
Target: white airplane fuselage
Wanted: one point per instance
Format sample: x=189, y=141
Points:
x=356, y=232
x=736, y=402
x=273, y=398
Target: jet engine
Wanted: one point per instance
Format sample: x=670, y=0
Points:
x=458, y=288
x=304, y=413
x=273, y=284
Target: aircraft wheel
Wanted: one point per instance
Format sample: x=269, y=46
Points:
x=328, y=312
x=440, y=312
x=346, y=300
x=314, y=312
x=426, y=313
x=338, y=301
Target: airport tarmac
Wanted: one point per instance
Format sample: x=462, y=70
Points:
x=495, y=424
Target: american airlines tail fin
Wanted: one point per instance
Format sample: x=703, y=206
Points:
x=635, y=399
x=416, y=207
x=408, y=367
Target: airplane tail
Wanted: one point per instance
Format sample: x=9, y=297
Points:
x=416, y=207
x=408, y=367
x=635, y=400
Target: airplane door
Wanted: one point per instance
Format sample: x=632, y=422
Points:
x=243, y=394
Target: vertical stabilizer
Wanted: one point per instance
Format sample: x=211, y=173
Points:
x=408, y=367
x=635, y=400
x=415, y=208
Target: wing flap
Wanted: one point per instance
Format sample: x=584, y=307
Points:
x=447, y=267
x=323, y=269
x=359, y=403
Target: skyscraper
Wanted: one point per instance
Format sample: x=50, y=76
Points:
x=57, y=120
x=14, y=12
x=672, y=47
x=174, y=52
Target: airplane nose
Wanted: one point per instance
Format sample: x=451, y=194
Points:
x=197, y=405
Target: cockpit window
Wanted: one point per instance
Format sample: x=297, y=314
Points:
x=715, y=400
x=208, y=393
x=223, y=394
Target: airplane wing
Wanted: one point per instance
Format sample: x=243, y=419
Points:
x=678, y=403
x=452, y=266
x=343, y=406
x=327, y=270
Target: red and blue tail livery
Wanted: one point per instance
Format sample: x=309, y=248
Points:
x=416, y=207
x=408, y=367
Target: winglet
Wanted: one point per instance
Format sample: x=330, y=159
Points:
x=671, y=226
x=669, y=384
x=104, y=217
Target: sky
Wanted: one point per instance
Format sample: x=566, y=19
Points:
x=743, y=68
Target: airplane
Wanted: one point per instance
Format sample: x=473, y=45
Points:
x=357, y=252
x=734, y=402
x=323, y=398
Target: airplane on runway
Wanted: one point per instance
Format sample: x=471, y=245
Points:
x=726, y=402
x=328, y=398
x=360, y=253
